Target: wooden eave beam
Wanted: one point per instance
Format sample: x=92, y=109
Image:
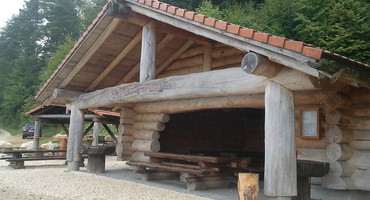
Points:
x=162, y=44
x=279, y=55
x=115, y=62
x=102, y=38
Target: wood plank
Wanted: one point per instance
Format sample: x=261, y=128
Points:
x=169, y=168
x=248, y=186
x=102, y=38
x=116, y=60
x=190, y=158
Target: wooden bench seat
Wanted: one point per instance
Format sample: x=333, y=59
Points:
x=170, y=168
x=37, y=158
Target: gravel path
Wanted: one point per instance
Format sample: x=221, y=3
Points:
x=50, y=180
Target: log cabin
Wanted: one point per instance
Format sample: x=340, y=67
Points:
x=205, y=98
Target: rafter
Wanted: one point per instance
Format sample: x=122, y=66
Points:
x=115, y=62
x=207, y=61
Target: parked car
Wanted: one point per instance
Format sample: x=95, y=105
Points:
x=28, y=131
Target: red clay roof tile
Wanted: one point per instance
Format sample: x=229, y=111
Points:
x=246, y=32
x=312, y=52
x=189, y=15
x=209, y=21
x=163, y=6
x=293, y=45
x=260, y=36
x=199, y=18
x=180, y=12
x=171, y=9
x=276, y=41
x=148, y=2
x=232, y=28
x=155, y=4
x=221, y=25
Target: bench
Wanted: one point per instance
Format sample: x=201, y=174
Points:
x=17, y=156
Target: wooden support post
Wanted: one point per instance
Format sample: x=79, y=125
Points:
x=110, y=133
x=75, y=138
x=96, y=132
x=248, y=186
x=280, y=156
x=36, y=134
x=64, y=128
x=148, y=53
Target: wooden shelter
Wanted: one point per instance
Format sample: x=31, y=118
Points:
x=190, y=84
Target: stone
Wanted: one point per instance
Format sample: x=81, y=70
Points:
x=27, y=145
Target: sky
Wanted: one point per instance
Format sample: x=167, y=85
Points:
x=7, y=9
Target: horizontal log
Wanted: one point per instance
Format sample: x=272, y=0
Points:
x=361, y=135
x=139, y=157
x=322, y=143
x=257, y=64
x=192, y=51
x=360, y=145
x=127, y=139
x=339, y=183
x=338, y=134
x=336, y=101
x=360, y=96
x=150, y=126
x=340, y=152
x=146, y=135
x=152, y=118
x=226, y=51
x=361, y=179
x=341, y=169
x=226, y=82
x=360, y=160
x=146, y=145
x=186, y=62
x=245, y=101
x=127, y=113
x=126, y=121
x=360, y=123
x=232, y=60
x=66, y=95
x=361, y=110
x=181, y=71
x=318, y=155
x=337, y=117
x=126, y=130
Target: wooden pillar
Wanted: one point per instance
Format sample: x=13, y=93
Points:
x=75, y=138
x=96, y=132
x=280, y=159
x=36, y=134
x=148, y=53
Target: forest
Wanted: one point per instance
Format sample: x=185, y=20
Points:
x=35, y=41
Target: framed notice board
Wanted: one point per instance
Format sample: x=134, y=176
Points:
x=309, y=123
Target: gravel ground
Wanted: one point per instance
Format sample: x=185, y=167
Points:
x=50, y=180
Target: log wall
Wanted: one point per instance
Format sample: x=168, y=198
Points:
x=348, y=132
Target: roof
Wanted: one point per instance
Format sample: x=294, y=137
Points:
x=108, y=53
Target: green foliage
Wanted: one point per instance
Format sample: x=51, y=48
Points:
x=56, y=59
x=341, y=26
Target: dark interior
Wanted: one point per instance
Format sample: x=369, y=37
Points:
x=238, y=132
